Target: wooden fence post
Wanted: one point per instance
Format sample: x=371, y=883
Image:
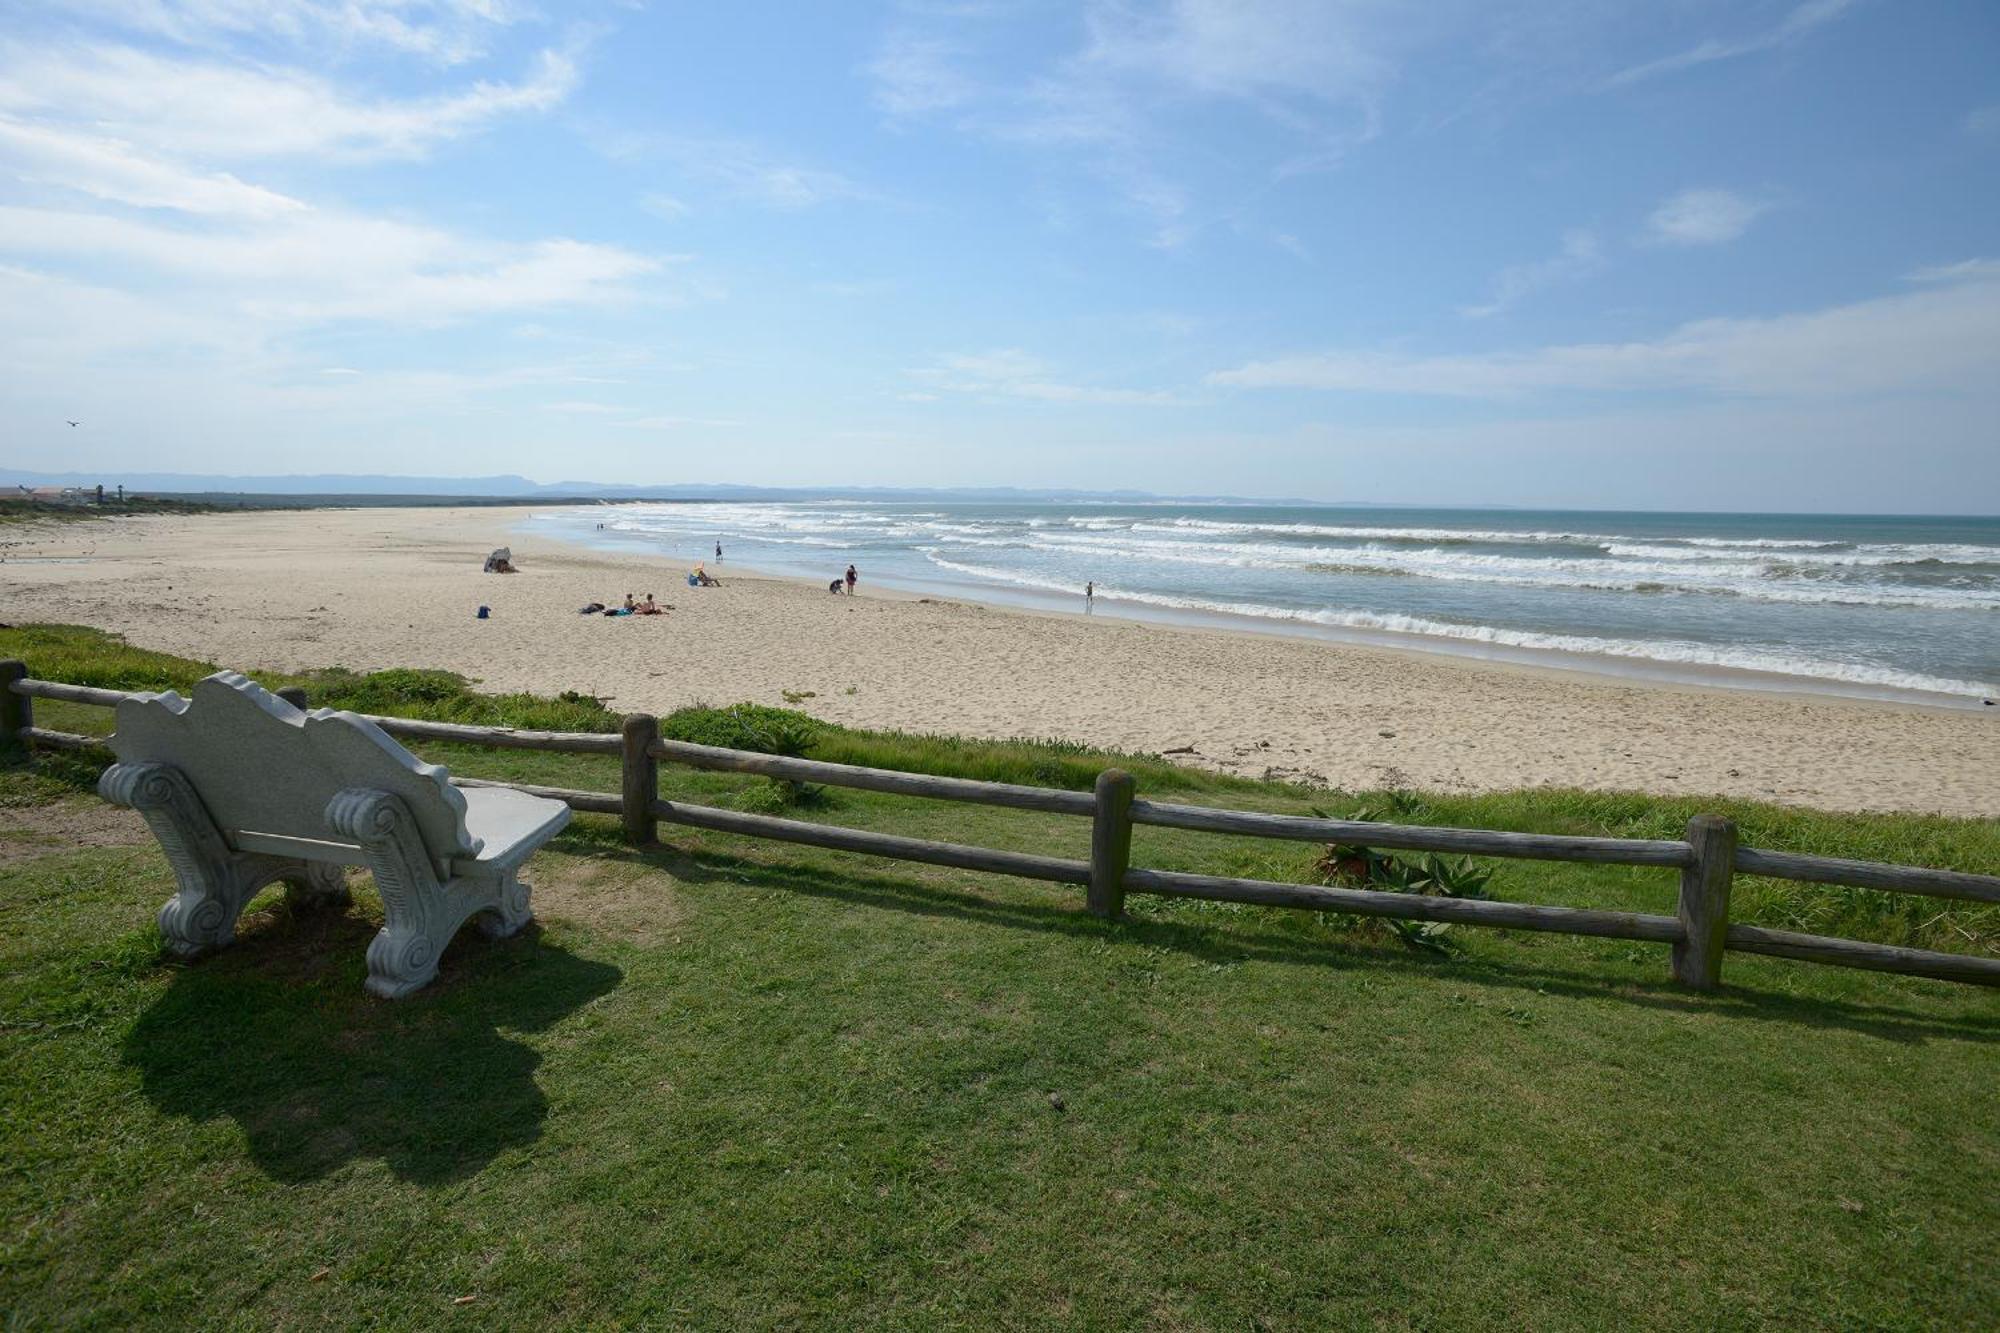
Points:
x=1110, y=844
x=16, y=710
x=642, y=779
x=295, y=695
x=1704, y=906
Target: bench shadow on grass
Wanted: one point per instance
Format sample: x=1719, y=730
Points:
x=277, y=1034
x=1244, y=937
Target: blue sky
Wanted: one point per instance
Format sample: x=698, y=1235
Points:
x=1577, y=252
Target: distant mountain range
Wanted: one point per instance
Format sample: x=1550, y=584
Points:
x=512, y=487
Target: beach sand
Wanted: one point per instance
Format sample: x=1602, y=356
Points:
x=373, y=588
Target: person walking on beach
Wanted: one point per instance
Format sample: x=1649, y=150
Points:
x=718, y=553
x=1089, y=598
x=851, y=577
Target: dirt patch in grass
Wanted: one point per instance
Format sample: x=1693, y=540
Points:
x=27, y=832
x=617, y=897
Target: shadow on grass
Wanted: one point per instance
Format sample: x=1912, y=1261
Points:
x=1254, y=935
x=277, y=1034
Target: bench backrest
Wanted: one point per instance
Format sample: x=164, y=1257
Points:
x=263, y=767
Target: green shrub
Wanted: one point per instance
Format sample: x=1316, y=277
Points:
x=1426, y=874
x=766, y=730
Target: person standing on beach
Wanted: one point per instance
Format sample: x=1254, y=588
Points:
x=718, y=553
x=1089, y=598
x=851, y=577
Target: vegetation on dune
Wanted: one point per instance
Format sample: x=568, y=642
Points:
x=22, y=510
x=92, y=657
x=730, y=1083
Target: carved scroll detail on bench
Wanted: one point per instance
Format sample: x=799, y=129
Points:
x=215, y=882
x=421, y=912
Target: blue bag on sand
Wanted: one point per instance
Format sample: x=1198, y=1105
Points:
x=482, y=612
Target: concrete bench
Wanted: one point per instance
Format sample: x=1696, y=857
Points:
x=243, y=791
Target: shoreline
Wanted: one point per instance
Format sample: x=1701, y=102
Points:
x=1603, y=667
x=379, y=587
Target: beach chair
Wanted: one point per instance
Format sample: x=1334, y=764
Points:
x=244, y=791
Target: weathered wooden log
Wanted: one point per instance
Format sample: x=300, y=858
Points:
x=17, y=706
x=1704, y=902
x=1110, y=843
x=1869, y=875
x=61, y=740
x=505, y=738
x=597, y=802
x=1407, y=906
x=877, y=779
x=1874, y=957
x=1416, y=837
x=876, y=844
x=641, y=774
x=75, y=694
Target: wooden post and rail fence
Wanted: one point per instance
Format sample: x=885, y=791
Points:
x=1699, y=933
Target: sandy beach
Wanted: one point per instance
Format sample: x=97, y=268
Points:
x=373, y=588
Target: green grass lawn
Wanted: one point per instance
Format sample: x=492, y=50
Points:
x=729, y=1083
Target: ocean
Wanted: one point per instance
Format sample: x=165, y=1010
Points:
x=1847, y=604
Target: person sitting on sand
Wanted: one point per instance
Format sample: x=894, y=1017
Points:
x=706, y=579
x=649, y=607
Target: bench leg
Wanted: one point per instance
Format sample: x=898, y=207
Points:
x=420, y=912
x=215, y=883
x=316, y=886
x=510, y=910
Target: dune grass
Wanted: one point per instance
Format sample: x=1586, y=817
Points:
x=735, y=1084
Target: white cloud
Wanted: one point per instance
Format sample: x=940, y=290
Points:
x=1317, y=50
x=739, y=167
x=1800, y=22
x=232, y=112
x=446, y=31
x=1011, y=373
x=1581, y=255
x=1314, y=68
x=1703, y=217
x=677, y=423
x=1943, y=336
x=319, y=266
x=915, y=74
x=116, y=172
x=664, y=206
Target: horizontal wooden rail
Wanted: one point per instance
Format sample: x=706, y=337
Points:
x=1407, y=906
x=1874, y=957
x=73, y=694
x=1058, y=869
x=61, y=740
x=1869, y=875
x=1415, y=837
x=1007, y=794
x=504, y=738
x=597, y=802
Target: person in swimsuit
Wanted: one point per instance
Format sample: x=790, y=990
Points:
x=851, y=577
